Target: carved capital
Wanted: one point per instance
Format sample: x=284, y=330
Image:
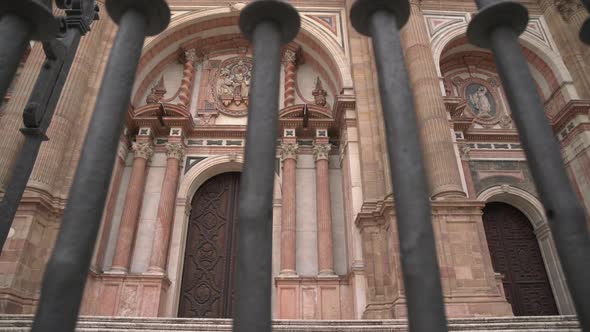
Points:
x=464, y=151
x=321, y=151
x=289, y=56
x=567, y=8
x=289, y=151
x=191, y=55
x=174, y=150
x=143, y=150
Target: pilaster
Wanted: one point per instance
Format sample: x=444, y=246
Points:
x=288, y=151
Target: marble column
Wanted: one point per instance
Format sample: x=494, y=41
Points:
x=437, y=143
x=289, y=207
x=289, y=58
x=174, y=154
x=321, y=151
x=128, y=227
x=190, y=58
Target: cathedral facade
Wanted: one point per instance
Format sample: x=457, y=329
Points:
x=167, y=243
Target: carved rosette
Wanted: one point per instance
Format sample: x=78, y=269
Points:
x=143, y=150
x=567, y=8
x=321, y=151
x=174, y=150
x=288, y=151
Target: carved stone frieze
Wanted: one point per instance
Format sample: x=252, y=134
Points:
x=567, y=8
x=288, y=151
x=174, y=150
x=231, y=86
x=321, y=151
x=143, y=150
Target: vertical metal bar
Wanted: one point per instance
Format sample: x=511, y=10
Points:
x=253, y=311
x=268, y=24
x=15, y=33
x=497, y=26
x=44, y=97
x=65, y=275
x=412, y=198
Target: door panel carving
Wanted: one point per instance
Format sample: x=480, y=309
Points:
x=209, y=260
x=516, y=254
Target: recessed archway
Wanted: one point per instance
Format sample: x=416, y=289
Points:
x=532, y=208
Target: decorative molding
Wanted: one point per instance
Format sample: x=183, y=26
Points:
x=288, y=151
x=143, y=150
x=321, y=151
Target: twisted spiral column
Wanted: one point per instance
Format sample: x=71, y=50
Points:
x=188, y=76
x=289, y=58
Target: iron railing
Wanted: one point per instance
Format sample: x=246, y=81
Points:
x=269, y=24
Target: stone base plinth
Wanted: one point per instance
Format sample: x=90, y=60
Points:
x=314, y=298
x=131, y=295
x=115, y=324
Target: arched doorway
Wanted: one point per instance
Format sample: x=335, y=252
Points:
x=516, y=255
x=207, y=288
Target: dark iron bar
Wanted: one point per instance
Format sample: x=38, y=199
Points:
x=15, y=33
x=268, y=24
x=497, y=26
x=412, y=198
x=42, y=103
x=65, y=275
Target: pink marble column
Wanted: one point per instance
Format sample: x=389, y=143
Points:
x=190, y=58
x=174, y=154
x=321, y=150
x=128, y=227
x=289, y=206
x=289, y=58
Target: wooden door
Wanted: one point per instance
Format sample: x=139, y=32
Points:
x=516, y=254
x=207, y=288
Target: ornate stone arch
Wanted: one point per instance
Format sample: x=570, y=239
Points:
x=533, y=210
x=190, y=183
x=551, y=58
x=337, y=59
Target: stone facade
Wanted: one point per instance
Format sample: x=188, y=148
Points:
x=335, y=241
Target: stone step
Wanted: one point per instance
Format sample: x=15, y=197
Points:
x=140, y=324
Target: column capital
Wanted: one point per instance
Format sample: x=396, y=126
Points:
x=175, y=151
x=143, y=150
x=289, y=56
x=321, y=151
x=191, y=55
x=288, y=151
x=464, y=151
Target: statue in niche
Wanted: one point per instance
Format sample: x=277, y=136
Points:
x=481, y=101
x=319, y=94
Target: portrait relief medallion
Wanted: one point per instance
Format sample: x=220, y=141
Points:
x=231, y=86
x=481, y=101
